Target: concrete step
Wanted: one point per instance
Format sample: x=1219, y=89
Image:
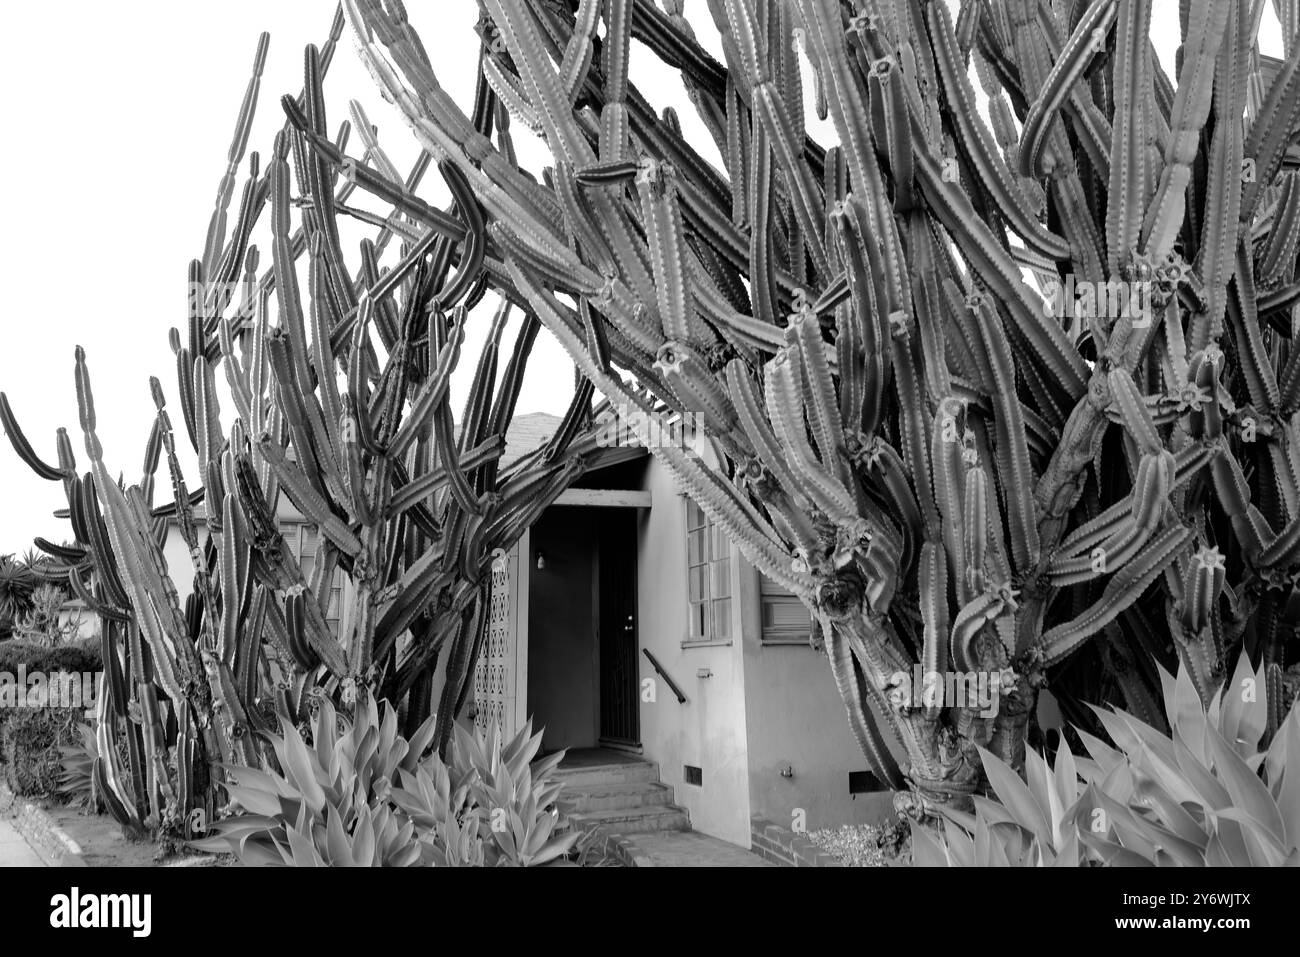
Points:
x=606, y=797
x=603, y=775
x=636, y=820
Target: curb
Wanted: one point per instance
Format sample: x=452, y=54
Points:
x=629, y=853
x=50, y=842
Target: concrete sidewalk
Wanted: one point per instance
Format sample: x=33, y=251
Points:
x=14, y=850
x=693, y=849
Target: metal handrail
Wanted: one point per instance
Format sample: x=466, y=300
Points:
x=681, y=698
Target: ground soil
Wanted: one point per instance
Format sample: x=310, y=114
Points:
x=103, y=843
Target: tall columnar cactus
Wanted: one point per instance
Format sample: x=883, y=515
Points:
x=918, y=431
x=340, y=394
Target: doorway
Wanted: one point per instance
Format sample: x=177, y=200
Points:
x=582, y=669
x=617, y=629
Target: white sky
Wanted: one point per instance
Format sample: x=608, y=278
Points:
x=120, y=116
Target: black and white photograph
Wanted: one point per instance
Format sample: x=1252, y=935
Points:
x=656, y=434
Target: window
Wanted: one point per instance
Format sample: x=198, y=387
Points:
x=304, y=541
x=785, y=620
x=708, y=569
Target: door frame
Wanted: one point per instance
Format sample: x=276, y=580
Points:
x=523, y=559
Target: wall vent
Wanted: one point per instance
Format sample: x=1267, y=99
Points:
x=864, y=782
x=693, y=775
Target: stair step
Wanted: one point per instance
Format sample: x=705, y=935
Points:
x=630, y=772
x=666, y=817
x=604, y=797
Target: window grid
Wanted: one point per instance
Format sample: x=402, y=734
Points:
x=708, y=572
x=305, y=542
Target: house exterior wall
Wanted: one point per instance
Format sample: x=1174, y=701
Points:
x=762, y=709
x=708, y=731
x=796, y=723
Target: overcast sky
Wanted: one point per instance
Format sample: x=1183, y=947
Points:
x=119, y=118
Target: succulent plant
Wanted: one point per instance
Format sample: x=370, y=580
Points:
x=361, y=795
x=945, y=466
x=1202, y=795
x=77, y=771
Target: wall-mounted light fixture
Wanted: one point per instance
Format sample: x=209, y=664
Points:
x=541, y=560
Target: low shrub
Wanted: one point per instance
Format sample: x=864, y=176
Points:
x=31, y=740
x=80, y=655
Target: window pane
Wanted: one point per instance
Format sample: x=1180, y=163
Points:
x=722, y=619
x=719, y=543
x=695, y=547
x=721, y=579
x=699, y=583
x=695, y=517
x=309, y=541
x=699, y=620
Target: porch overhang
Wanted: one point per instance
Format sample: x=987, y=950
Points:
x=605, y=497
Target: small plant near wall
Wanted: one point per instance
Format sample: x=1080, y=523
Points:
x=43, y=623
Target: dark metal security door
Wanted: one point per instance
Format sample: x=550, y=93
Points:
x=619, y=721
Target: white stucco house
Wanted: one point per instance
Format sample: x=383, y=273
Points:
x=624, y=595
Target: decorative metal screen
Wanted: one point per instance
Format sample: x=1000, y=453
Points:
x=494, y=675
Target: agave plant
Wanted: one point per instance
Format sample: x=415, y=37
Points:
x=949, y=463
x=328, y=805
x=336, y=801
x=340, y=395
x=76, y=782
x=492, y=804
x=1203, y=794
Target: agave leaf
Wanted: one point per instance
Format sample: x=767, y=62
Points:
x=1266, y=848
x=1038, y=775
x=929, y=851
x=1016, y=796
x=1249, y=794
x=299, y=767
x=1185, y=711
x=1286, y=783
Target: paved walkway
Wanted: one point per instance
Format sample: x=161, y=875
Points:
x=14, y=851
x=693, y=849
